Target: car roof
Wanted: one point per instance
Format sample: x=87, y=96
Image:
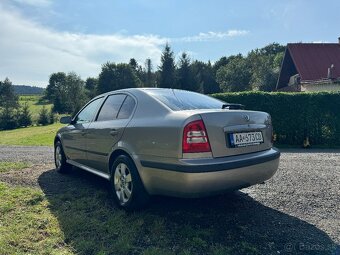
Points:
x=132, y=90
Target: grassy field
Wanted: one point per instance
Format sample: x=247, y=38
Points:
x=37, y=135
x=35, y=105
x=76, y=215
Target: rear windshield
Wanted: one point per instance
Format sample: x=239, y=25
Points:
x=179, y=100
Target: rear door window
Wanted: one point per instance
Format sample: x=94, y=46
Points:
x=111, y=107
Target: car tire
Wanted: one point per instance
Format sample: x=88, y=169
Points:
x=126, y=185
x=60, y=159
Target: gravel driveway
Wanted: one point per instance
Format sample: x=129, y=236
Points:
x=306, y=188
x=31, y=154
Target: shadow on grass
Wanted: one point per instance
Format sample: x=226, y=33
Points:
x=228, y=224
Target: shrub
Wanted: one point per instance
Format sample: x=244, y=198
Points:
x=8, y=119
x=52, y=117
x=296, y=116
x=43, y=116
x=24, y=116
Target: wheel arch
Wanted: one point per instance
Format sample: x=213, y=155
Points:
x=56, y=139
x=116, y=153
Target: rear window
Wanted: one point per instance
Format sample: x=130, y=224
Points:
x=179, y=100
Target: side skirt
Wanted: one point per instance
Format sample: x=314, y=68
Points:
x=89, y=169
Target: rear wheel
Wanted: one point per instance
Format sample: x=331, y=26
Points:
x=127, y=187
x=60, y=159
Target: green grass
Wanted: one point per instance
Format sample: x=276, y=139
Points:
x=35, y=104
x=27, y=225
x=6, y=166
x=36, y=135
x=75, y=214
x=81, y=218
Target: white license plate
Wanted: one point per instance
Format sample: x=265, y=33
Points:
x=245, y=139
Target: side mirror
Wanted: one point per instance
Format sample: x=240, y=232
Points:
x=66, y=120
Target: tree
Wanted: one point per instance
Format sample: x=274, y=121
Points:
x=24, y=116
x=185, y=77
x=117, y=76
x=8, y=105
x=91, y=85
x=43, y=116
x=74, y=87
x=68, y=93
x=149, y=79
x=235, y=76
x=167, y=78
x=7, y=96
x=272, y=49
x=223, y=61
x=265, y=74
x=265, y=66
x=54, y=84
x=204, y=73
x=138, y=70
x=133, y=63
x=8, y=118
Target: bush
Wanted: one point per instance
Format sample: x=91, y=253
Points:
x=296, y=116
x=52, y=117
x=44, y=117
x=24, y=116
x=8, y=119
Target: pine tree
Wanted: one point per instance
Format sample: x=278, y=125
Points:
x=8, y=119
x=7, y=96
x=149, y=77
x=51, y=117
x=186, y=78
x=167, y=77
x=43, y=116
x=24, y=116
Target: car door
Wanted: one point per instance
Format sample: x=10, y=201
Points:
x=74, y=142
x=107, y=129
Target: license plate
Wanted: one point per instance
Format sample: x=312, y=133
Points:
x=245, y=139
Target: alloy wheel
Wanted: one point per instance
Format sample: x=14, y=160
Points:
x=123, y=183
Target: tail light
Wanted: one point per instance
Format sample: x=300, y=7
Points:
x=195, y=138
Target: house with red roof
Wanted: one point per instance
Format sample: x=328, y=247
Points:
x=310, y=67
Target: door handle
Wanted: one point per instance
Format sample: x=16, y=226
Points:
x=113, y=132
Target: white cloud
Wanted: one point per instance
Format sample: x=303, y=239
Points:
x=30, y=52
x=37, y=3
x=210, y=36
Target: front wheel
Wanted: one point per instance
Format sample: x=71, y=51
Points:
x=60, y=159
x=128, y=189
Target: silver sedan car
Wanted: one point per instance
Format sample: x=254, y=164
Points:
x=149, y=141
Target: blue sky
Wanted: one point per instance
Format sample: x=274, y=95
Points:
x=39, y=37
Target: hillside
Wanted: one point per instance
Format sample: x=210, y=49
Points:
x=27, y=90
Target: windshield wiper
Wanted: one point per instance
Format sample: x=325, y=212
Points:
x=233, y=106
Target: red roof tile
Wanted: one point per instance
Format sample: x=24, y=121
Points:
x=312, y=60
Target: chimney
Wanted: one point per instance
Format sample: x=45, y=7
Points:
x=330, y=72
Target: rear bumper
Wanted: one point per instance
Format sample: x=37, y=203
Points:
x=201, y=177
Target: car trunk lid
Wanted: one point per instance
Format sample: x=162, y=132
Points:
x=224, y=126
